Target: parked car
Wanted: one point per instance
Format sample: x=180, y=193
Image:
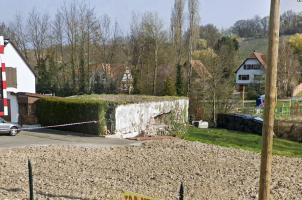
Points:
x=240, y=122
x=9, y=128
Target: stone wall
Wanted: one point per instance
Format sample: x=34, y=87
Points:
x=149, y=117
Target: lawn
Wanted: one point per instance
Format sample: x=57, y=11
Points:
x=240, y=140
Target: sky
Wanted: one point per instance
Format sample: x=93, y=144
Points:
x=218, y=12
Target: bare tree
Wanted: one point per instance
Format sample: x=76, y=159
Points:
x=20, y=37
x=105, y=35
x=288, y=70
x=154, y=34
x=38, y=34
x=193, y=6
x=70, y=13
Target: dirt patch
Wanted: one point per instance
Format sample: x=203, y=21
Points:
x=154, y=169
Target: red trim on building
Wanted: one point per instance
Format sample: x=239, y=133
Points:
x=3, y=69
x=2, y=49
x=1, y=114
x=5, y=102
x=4, y=85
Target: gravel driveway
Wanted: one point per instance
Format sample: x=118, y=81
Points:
x=155, y=169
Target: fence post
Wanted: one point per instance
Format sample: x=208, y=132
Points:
x=181, y=192
x=30, y=181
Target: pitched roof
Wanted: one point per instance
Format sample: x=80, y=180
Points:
x=21, y=56
x=114, y=71
x=259, y=56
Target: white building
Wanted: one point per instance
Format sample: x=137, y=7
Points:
x=251, y=71
x=17, y=76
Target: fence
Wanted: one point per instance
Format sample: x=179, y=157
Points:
x=285, y=109
x=31, y=188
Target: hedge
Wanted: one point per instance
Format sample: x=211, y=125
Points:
x=56, y=110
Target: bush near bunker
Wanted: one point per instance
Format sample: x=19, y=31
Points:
x=56, y=110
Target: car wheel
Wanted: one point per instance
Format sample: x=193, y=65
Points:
x=13, y=131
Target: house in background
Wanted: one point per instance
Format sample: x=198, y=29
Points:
x=251, y=71
x=126, y=85
x=17, y=77
x=111, y=77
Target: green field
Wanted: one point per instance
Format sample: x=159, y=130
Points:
x=247, y=46
x=240, y=140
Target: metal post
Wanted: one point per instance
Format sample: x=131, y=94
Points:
x=30, y=181
x=270, y=102
x=181, y=192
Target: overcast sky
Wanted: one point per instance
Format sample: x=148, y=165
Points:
x=221, y=13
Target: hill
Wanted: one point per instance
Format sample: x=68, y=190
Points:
x=247, y=45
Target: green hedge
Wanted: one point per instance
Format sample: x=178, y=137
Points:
x=56, y=110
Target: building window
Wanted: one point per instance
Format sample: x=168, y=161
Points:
x=11, y=77
x=251, y=66
x=244, y=77
x=258, y=77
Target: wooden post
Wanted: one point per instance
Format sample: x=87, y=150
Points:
x=270, y=102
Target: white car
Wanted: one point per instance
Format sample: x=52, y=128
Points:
x=9, y=128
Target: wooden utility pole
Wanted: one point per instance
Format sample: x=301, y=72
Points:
x=270, y=102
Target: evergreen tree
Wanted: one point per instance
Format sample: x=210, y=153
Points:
x=170, y=89
x=179, y=83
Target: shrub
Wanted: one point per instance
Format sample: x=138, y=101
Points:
x=56, y=110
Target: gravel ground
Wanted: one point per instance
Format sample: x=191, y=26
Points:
x=155, y=169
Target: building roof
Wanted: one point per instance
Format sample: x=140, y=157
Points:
x=260, y=57
x=21, y=56
x=114, y=71
x=255, y=55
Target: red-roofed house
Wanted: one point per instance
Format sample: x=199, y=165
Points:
x=251, y=71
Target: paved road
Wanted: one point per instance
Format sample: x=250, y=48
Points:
x=46, y=137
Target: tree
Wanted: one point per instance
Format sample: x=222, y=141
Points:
x=217, y=88
x=193, y=6
x=210, y=33
x=155, y=36
x=38, y=33
x=227, y=49
x=289, y=71
x=169, y=88
x=177, y=20
x=179, y=81
x=19, y=35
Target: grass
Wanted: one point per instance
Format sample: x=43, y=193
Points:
x=248, y=45
x=126, y=99
x=240, y=140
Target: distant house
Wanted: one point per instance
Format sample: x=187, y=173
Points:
x=251, y=71
x=118, y=76
x=17, y=77
x=126, y=85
